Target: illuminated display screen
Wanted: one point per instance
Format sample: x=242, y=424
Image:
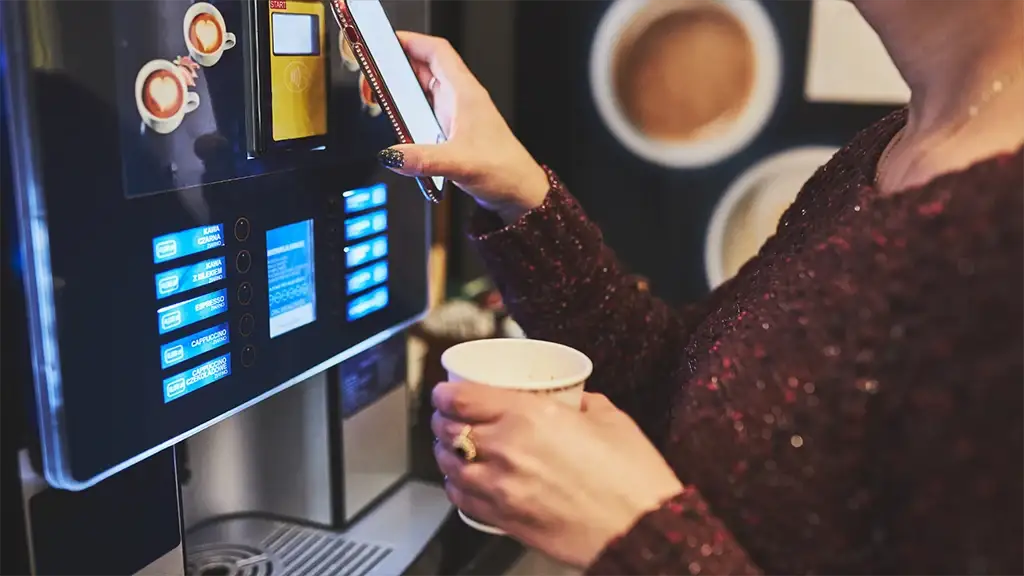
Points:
x=368, y=225
x=186, y=278
x=359, y=254
x=292, y=290
x=295, y=34
x=203, y=375
x=191, y=311
x=366, y=278
x=189, y=347
x=365, y=198
x=368, y=303
x=187, y=242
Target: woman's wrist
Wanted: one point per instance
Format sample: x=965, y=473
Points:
x=531, y=191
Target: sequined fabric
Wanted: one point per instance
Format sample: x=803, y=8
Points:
x=851, y=402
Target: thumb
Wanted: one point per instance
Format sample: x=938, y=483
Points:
x=424, y=160
x=596, y=403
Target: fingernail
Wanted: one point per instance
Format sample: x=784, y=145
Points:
x=391, y=158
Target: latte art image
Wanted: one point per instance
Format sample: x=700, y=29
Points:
x=206, y=34
x=162, y=94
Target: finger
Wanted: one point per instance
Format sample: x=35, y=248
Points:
x=473, y=403
x=437, y=53
x=447, y=160
x=596, y=402
x=424, y=76
x=470, y=476
x=470, y=504
x=447, y=430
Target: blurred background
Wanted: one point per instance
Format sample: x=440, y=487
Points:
x=793, y=79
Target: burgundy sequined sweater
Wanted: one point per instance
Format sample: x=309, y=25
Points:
x=851, y=402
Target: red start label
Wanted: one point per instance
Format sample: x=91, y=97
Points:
x=278, y=4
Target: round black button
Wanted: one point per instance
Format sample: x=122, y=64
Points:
x=245, y=324
x=243, y=261
x=242, y=229
x=248, y=355
x=244, y=293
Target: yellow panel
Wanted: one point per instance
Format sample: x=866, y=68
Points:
x=298, y=84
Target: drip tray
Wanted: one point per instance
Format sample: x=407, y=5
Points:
x=262, y=547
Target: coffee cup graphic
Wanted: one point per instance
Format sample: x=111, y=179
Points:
x=206, y=34
x=749, y=211
x=162, y=96
x=685, y=83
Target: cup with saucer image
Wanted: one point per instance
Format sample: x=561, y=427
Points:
x=206, y=34
x=162, y=95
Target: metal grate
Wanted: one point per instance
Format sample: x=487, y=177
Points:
x=229, y=560
x=283, y=550
x=308, y=552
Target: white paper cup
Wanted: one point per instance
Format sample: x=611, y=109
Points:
x=719, y=140
x=532, y=366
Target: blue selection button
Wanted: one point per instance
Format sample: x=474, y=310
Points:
x=365, y=198
x=191, y=311
x=186, y=278
x=368, y=225
x=187, y=242
x=205, y=374
x=189, y=347
x=364, y=252
x=368, y=303
x=366, y=278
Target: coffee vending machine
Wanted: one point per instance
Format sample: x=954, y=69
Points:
x=206, y=278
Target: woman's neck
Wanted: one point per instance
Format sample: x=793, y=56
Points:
x=950, y=52
x=963, y=60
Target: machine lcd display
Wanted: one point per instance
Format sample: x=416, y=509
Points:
x=292, y=289
x=295, y=34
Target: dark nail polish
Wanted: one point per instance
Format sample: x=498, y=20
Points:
x=391, y=158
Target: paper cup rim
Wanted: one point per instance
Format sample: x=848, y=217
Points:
x=700, y=153
x=714, y=268
x=486, y=528
x=587, y=365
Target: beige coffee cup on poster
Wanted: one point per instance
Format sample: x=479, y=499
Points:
x=531, y=366
x=685, y=83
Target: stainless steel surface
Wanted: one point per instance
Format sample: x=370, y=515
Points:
x=271, y=458
x=375, y=449
x=170, y=564
x=384, y=542
x=31, y=484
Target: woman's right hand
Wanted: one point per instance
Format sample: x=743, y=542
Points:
x=481, y=155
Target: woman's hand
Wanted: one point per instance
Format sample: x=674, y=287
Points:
x=560, y=480
x=481, y=156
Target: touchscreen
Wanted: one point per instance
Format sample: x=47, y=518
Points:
x=397, y=74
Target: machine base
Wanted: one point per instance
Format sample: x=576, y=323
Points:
x=385, y=541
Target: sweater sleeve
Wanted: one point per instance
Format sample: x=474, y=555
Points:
x=680, y=537
x=562, y=283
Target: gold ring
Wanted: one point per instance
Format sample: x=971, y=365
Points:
x=463, y=445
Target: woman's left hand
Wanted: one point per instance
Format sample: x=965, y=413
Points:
x=560, y=480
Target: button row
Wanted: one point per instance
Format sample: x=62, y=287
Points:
x=243, y=263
